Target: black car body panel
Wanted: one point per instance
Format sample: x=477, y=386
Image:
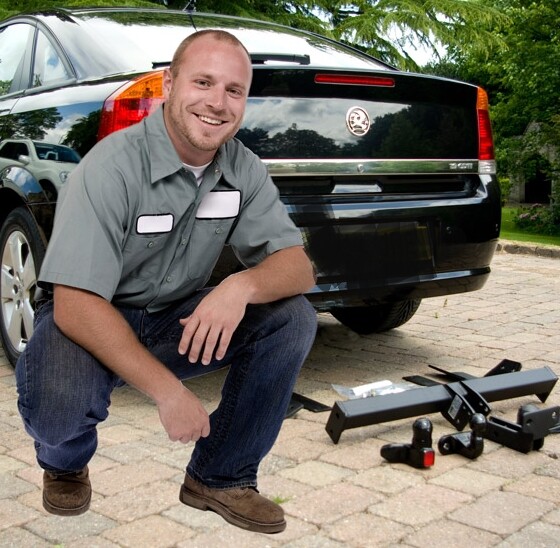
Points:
x=380, y=169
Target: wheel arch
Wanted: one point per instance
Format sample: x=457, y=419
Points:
x=19, y=188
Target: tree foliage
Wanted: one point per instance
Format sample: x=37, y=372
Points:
x=388, y=29
x=523, y=81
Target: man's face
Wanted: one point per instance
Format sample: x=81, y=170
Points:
x=205, y=101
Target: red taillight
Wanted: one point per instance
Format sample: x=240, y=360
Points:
x=130, y=103
x=485, y=140
x=354, y=80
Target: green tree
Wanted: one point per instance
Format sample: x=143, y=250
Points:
x=388, y=29
x=523, y=82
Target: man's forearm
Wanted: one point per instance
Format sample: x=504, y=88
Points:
x=283, y=274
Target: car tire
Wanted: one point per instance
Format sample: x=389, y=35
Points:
x=22, y=250
x=376, y=318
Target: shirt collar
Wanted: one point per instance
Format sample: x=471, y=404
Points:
x=164, y=160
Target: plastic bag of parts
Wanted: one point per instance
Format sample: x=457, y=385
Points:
x=378, y=388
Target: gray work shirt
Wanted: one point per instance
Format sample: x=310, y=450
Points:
x=133, y=226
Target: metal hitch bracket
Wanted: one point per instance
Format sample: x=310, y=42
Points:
x=434, y=399
x=533, y=425
x=505, y=366
x=468, y=444
x=465, y=403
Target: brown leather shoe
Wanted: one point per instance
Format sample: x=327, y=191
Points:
x=66, y=494
x=243, y=507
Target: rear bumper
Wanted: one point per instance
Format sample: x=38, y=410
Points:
x=370, y=252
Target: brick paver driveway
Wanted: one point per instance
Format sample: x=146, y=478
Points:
x=334, y=495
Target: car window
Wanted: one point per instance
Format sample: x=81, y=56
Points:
x=46, y=151
x=13, y=150
x=48, y=67
x=13, y=42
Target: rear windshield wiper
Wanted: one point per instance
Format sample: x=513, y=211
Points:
x=262, y=58
x=258, y=59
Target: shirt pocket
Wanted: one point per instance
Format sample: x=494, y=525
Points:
x=207, y=240
x=144, y=255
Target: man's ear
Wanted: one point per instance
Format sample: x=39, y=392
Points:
x=167, y=83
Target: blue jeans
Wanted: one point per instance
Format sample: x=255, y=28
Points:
x=64, y=392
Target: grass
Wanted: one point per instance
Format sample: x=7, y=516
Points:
x=510, y=232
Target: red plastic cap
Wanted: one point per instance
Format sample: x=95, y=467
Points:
x=429, y=457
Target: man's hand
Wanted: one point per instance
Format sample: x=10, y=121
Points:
x=183, y=416
x=208, y=330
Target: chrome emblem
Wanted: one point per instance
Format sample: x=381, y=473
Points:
x=357, y=121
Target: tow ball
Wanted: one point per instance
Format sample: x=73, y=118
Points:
x=419, y=453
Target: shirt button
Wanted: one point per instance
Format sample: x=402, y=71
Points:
x=219, y=230
x=184, y=241
x=151, y=244
x=169, y=279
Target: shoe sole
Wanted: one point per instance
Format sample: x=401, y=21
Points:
x=203, y=503
x=59, y=511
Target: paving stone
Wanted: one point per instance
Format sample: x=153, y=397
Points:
x=381, y=480
x=356, y=457
x=272, y=464
x=508, y=463
x=9, y=464
x=469, y=481
x=445, y=533
x=542, y=487
x=502, y=513
x=15, y=537
x=553, y=517
x=134, y=451
x=120, y=433
x=152, y=531
x=535, y=535
x=230, y=536
x=25, y=454
x=315, y=473
x=128, y=476
x=420, y=505
x=315, y=541
x=278, y=487
x=194, y=519
x=327, y=504
x=91, y=542
x=503, y=497
x=12, y=487
x=60, y=530
x=12, y=514
x=299, y=449
x=138, y=502
x=366, y=530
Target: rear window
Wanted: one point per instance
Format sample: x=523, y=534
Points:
x=137, y=40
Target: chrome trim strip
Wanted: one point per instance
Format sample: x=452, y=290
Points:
x=291, y=167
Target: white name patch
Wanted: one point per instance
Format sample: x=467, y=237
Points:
x=154, y=224
x=223, y=204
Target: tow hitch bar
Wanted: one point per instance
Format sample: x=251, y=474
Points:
x=457, y=400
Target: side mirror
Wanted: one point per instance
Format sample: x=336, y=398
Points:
x=24, y=159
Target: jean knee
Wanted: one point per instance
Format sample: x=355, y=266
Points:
x=301, y=317
x=62, y=389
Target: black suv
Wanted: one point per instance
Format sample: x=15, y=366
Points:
x=389, y=175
